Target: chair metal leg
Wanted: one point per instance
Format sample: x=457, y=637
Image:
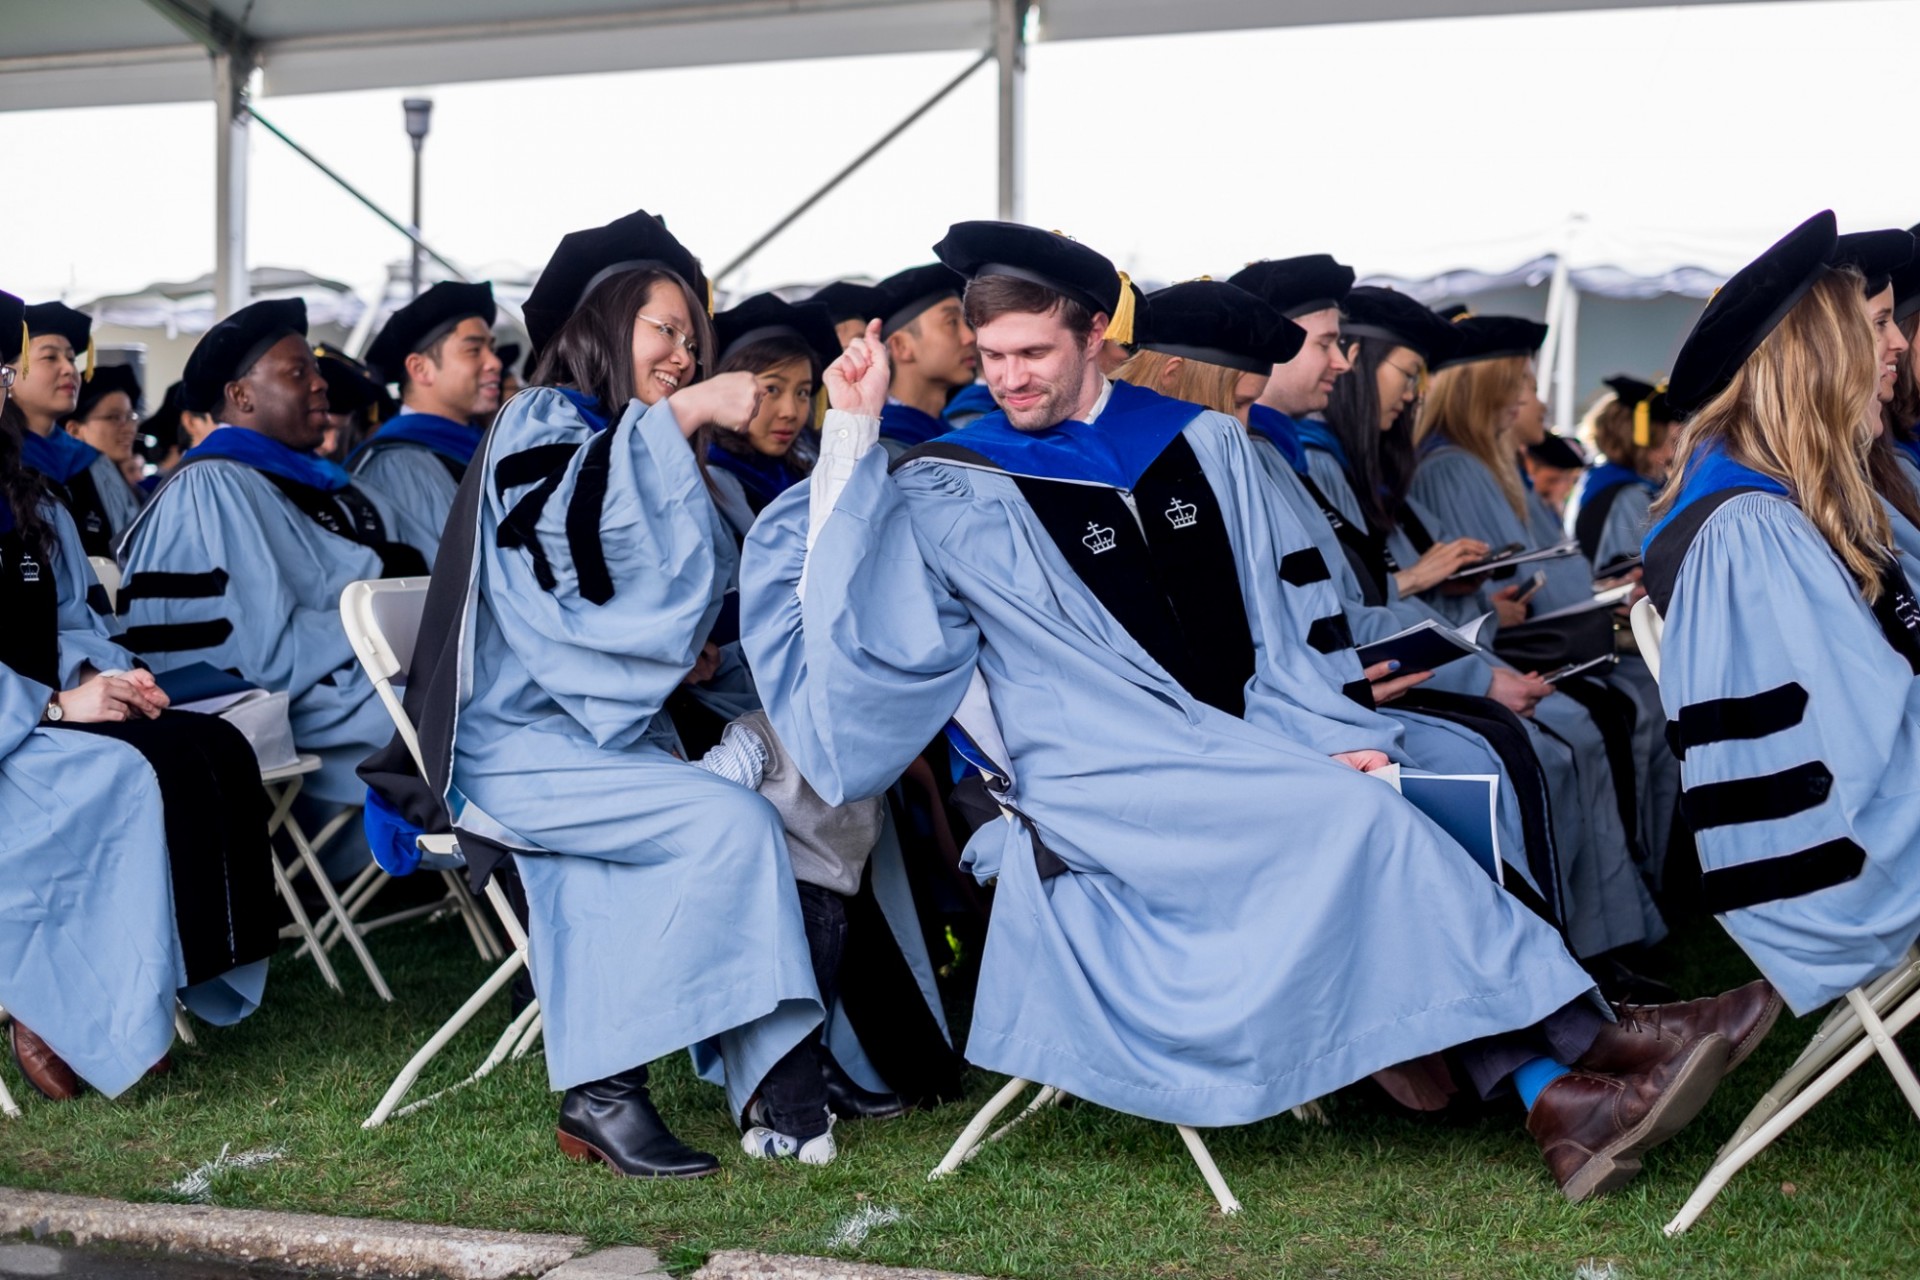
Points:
x=1881, y=1037
x=1838, y=1032
x=302, y=927
x=529, y=1038
x=334, y=907
x=182, y=1027
x=8, y=1108
x=453, y=1026
x=483, y=940
x=1863, y=1047
x=517, y=1031
x=971, y=1138
x=1208, y=1169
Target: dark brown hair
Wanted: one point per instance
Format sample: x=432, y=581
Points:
x=23, y=490
x=593, y=352
x=990, y=297
x=756, y=357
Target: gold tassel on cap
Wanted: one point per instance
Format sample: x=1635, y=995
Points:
x=1120, y=327
x=1643, y=417
x=709, y=299
x=88, y=376
x=26, y=349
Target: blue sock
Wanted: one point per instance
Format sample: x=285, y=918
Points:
x=1531, y=1077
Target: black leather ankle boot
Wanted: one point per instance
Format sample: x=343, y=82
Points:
x=614, y=1121
x=847, y=1100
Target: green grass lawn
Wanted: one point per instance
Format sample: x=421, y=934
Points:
x=1080, y=1192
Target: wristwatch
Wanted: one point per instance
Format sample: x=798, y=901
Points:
x=55, y=713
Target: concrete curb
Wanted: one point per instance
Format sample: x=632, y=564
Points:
x=356, y=1246
x=371, y=1247
x=733, y=1264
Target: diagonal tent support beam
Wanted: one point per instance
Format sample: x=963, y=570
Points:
x=359, y=195
x=745, y=255
x=235, y=57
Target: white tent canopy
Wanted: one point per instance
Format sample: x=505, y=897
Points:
x=116, y=52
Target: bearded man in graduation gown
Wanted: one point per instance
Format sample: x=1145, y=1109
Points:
x=440, y=349
x=240, y=558
x=1160, y=943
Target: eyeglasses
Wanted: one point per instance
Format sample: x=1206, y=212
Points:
x=1416, y=377
x=685, y=341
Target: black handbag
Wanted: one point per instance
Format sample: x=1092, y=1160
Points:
x=1547, y=644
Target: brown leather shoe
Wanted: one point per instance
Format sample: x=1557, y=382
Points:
x=1593, y=1129
x=45, y=1071
x=164, y=1067
x=1649, y=1033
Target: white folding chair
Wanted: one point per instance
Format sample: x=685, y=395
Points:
x=971, y=1139
x=976, y=1136
x=1863, y=1025
x=1648, y=627
x=382, y=619
x=8, y=1107
x=282, y=787
x=108, y=572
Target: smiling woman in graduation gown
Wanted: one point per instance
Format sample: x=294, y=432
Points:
x=582, y=571
x=1155, y=946
x=48, y=387
x=120, y=885
x=1790, y=653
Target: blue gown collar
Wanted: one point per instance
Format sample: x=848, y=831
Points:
x=445, y=436
x=1709, y=472
x=1911, y=449
x=588, y=408
x=764, y=477
x=973, y=398
x=238, y=444
x=1315, y=434
x=58, y=456
x=1280, y=431
x=1135, y=428
x=1611, y=475
x=908, y=425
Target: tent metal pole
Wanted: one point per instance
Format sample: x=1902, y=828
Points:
x=741, y=259
x=1010, y=51
x=231, y=288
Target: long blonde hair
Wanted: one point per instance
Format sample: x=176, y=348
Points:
x=1468, y=404
x=1802, y=410
x=1195, y=381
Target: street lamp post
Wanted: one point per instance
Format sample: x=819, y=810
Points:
x=419, y=118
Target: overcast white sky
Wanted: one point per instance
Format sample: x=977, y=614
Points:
x=1686, y=135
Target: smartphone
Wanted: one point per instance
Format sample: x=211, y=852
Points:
x=1534, y=584
x=1579, y=668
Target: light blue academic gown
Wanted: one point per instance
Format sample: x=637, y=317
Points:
x=120, y=500
x=1627, y=522
x=1245, y=924
x=663, y=908
x=90, y=954
x=275, y=617
x=1458, y=487
x=410, y=472
x=1761, y=605
x=1599, y=891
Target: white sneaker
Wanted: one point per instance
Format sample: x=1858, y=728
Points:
x=763, y=1143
